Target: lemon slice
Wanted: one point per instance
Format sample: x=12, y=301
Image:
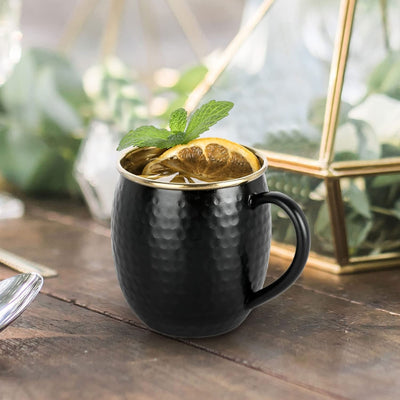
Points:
x=206, y=159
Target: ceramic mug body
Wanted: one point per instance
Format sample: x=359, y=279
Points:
x=191, y=259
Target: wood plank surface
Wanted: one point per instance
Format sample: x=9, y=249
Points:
x=344, y=348
x=379, y=289
x=335, y=336
x=57, y=350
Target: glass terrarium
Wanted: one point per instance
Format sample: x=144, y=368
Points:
x=316, y=86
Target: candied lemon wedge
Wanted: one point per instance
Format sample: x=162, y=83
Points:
x=206, y=159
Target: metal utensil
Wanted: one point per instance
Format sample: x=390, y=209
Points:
x=20, y=264
x=16, y=293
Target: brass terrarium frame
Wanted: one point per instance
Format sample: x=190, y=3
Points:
x=330, y=172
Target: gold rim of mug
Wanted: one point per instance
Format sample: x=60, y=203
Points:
x=193, y=186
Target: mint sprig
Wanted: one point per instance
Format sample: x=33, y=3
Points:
x=178, y=120
x=181, y=130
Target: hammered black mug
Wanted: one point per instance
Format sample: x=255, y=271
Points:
x=191, y=259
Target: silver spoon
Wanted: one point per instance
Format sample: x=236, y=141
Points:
x=16, y=293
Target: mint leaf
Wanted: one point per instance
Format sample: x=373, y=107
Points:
x=201, y=120
x=205, y=117
x=177, y=120
x=145, y=136
x=175, y=139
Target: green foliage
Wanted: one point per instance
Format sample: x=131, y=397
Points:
x=323, y=230
x=289, y=142
x=316, y=112
x=309, y=192
x=357, y=228
x=371, y=204
x=357, y=199
x=116, y=95
x=190, y=79
x=372, y=212
x=201, y=120
x=389, y=150
x=385, y=78
x=43, y=111
x=178, y=93
x=382, y=181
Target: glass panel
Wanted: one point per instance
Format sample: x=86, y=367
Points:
x=95, y=170
x=369, y=126
x=372, y=213
x=279, y=78
x=310, y=193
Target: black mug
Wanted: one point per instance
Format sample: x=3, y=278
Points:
x=192, y=258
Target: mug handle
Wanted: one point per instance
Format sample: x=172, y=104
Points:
x=295, y=213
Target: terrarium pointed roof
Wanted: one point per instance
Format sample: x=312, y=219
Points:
x=324, y=164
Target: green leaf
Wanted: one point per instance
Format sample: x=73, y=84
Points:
x=190, y=79
x=358, y=200
x=53, y=105
x=146, y=136
x=19, y=90
x=385, y=78
x=290, y=142
x=175, y=139
x=43, y=110
x=206, y=116
x=323, y=224
x=391, y=83
x=396, y=210
x=18, y=93
x=175, y=103
x=389, y=150
x=67, y=78
x=385, y=180
x=33, y=166
x=316, y=112
x=357, y=228
x=178, y=120
x=378, y=74
x=346, y=156
x=202, y=119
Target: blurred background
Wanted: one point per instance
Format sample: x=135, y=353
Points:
x=162, y=33
x=75, y=76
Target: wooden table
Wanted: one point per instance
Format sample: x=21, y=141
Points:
x=328, y=337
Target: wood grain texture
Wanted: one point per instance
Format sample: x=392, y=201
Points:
x=82, y=258
x=334, y=336
x=57, y=350
x=379, y=289
x=334, y=345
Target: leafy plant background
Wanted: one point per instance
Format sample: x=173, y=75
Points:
x=46, y=107
x=43, y=114
x=372, y=203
